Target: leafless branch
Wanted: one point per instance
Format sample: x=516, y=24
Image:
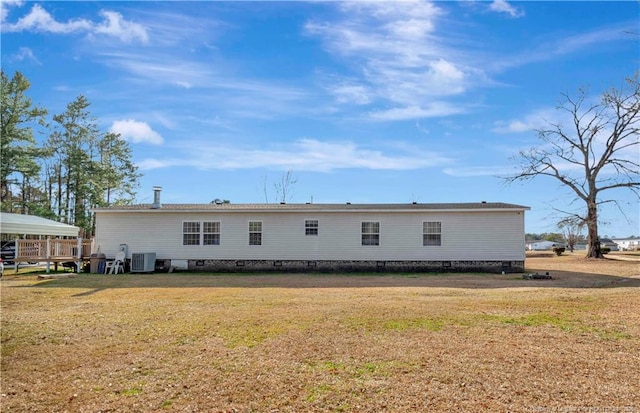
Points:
x=599, y=141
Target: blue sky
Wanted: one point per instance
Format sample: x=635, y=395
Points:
x=382, y=102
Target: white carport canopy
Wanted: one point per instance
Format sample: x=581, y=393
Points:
x=31, y=225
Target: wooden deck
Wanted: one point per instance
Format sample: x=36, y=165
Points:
x=52, y=250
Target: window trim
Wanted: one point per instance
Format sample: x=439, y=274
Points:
x=201, y=233
x=213, y=233
x=426, y=232
x=190, y=225
x=252, y=242
x=308, y=229
x=370, y=235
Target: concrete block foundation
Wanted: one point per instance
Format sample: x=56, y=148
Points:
x=338, y=266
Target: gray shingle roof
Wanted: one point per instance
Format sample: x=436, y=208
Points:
x=316, y=207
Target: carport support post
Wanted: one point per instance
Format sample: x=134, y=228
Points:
x=79, y=262
x=16, y=255
x=48, y=254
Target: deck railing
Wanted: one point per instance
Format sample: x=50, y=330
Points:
x=53, y=250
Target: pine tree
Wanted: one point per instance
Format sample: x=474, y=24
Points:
x=19, y=152
x=86, y=168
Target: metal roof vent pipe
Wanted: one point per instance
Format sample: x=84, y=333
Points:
x=156, y=197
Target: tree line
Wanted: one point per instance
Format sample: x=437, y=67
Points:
x=73, y=168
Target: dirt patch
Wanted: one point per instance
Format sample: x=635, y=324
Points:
x=291, y=343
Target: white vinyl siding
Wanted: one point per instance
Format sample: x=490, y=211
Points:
x=466, y=235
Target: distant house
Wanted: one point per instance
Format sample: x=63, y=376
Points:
x=608, y=243
x=544, y=245
x=318, y=237
x=627, y=244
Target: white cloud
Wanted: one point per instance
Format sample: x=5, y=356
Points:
x=157, y=68
x=586, y=40
x=432, y=110
x=137, y=132
x=164, y=120
x=410, y=29
x=470, y=171
x=503, y=6
x=184, y=84
x=150, y=163
x=446, y=71
x=113, y=25
x=350, y=93
x=244, y=98
x=418, y=9
x=514, y=126
x=5, y=5
x=399, y=57
x=302, y=155
x=24, y=53
x=577, y=43
x=39, y=19
x=530, y=122
x=61, y=88
x=174, y=29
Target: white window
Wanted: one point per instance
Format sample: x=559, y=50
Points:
x=311, y=227
x=211, y=233
x=200, y=233
x=432, y=233
x=370, y=233
x=255, y=233
x=190, y=233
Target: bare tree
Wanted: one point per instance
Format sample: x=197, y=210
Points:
x=571, y=228
x=596, y=153
x=282, y=188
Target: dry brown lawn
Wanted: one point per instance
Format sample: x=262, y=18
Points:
x=320, y=343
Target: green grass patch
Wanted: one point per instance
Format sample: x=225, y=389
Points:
x=532, y=320
x=368, y=368
x=606, y=334
x=131, y=392
x=317, y=392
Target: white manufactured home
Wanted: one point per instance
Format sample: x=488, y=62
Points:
x=318, y=237
x=627, y=244
x=544, y=245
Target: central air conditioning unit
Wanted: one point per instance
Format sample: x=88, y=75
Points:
x=143, y=262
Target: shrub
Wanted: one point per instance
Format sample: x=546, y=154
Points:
x=605, y=250
x=558, y=250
